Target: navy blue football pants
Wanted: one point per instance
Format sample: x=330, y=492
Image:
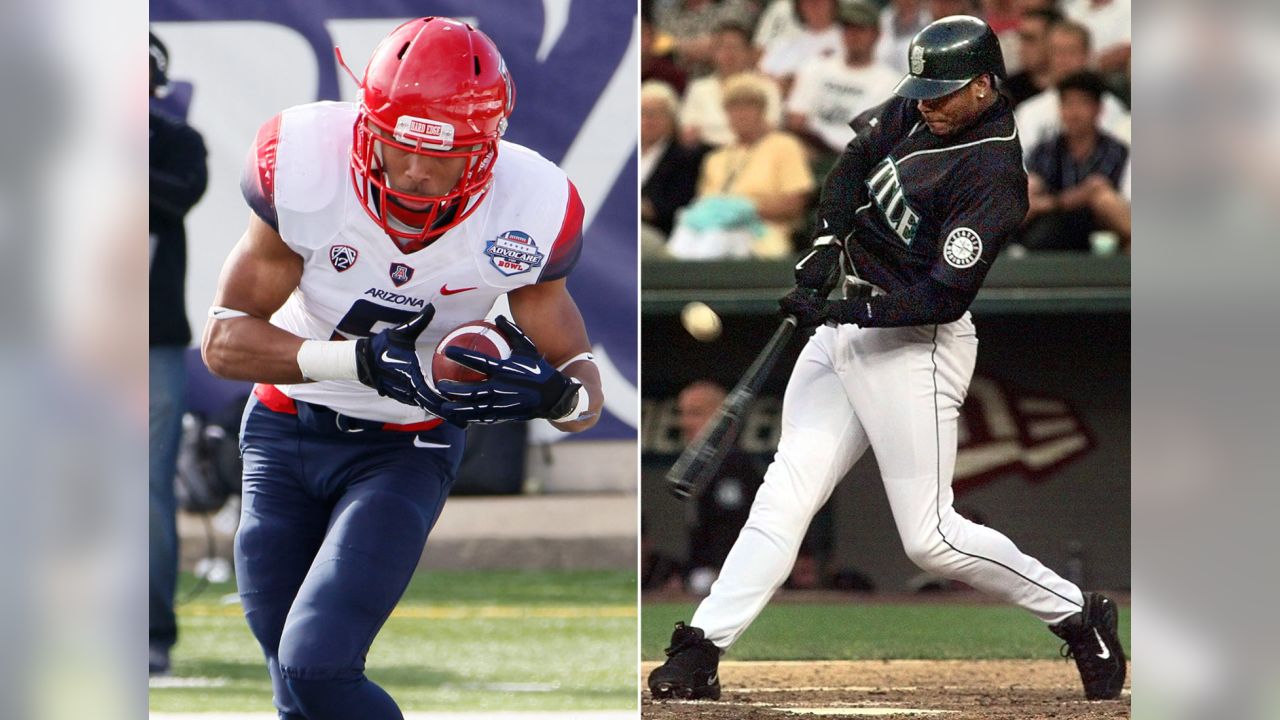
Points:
x=332, y=526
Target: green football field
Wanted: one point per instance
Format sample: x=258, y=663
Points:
x=458, y=641
x=875, y=631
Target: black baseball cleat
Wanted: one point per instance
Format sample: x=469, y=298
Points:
x=690, y=670
x=1092, y=640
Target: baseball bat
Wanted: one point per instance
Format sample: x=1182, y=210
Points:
x=697, y=465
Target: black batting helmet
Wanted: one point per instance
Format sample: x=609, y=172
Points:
x=947, y=54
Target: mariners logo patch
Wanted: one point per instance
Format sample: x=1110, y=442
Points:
x=917, y=60
x=343, y=257
x=401, y=273
x=962, y=248
x=513, y=252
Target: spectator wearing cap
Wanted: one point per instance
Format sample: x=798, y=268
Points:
x=1033, y=56
x=668, y=169
x=1039, y=117
x=702, y=116
x=1074, y=178
x=818, y=37
x=178, y=178
x=828, y=94
x=763, y=164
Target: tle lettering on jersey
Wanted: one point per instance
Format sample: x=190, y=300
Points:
x=396, y=298
x=886, y=190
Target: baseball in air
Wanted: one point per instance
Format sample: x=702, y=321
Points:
x=701, y=321
x=478, y=336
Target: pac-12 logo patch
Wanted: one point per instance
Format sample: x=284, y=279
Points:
x=962, y=248
x=343, y=257
x=400, y=273
x=513, y=252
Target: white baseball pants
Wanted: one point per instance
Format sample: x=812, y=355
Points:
x=899, y=391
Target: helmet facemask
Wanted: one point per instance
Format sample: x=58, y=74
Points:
x=407, y=215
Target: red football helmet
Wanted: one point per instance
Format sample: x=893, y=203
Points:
x=435, y=87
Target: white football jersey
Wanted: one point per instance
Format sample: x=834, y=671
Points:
x=356, y=280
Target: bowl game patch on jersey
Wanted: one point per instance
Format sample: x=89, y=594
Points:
x=962, y=248
x=513, y=252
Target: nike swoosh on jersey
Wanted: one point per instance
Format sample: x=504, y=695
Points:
x=446, y=290
x=1106, y=651
x=419, y=442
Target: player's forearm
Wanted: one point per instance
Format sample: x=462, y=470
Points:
x=928, y=302
x=587, y=374
x=249, y=348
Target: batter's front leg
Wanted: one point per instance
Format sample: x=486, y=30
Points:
x=821, y=439
x=914, y=380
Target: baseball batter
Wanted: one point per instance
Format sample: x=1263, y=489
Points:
x=912, y=218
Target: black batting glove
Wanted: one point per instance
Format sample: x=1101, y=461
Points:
x=852, y=310
x=806, y=306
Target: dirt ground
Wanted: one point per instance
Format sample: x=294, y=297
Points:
x=951, y=689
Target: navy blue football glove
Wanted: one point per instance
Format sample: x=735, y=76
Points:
x=388, y=362
x=522, y=387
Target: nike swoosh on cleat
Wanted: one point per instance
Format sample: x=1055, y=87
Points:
x=446, y=290
x=1106, y=651
x=418, y=442
x=714, y=677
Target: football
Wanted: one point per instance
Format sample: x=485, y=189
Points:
x=478, y=336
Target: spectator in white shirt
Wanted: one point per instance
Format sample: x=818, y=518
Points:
x=1110, y=26
x=899, y=22
x=1040, y=117
x=817, y=38
x=778, y=19
x=904, y=18
x=702, y=116
x=829, y=93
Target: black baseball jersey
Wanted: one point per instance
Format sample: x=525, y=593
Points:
x=915, y=210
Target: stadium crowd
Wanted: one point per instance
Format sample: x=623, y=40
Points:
x=745, y=106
